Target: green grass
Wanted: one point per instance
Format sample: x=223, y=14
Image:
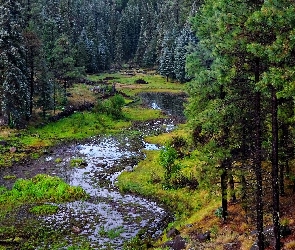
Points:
x=9, y=177
x=112, y=233
x=77, y=162
x=188, y=205
x=78, y=126
x=148, y=179
x=44, y=209
x=126, y=83
x=41, y=188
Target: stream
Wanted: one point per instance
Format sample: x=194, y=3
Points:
x=107, y=210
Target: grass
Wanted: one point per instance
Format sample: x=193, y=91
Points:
x=111, y=233
x=78, y=162
x=194, y=207
x=78, y=126
x=44, y=209
x=147, y=179
x=126, y=83
x=41, y=188
x=81, y=93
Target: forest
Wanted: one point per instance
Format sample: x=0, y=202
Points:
x=48, y=44
x=235, y=60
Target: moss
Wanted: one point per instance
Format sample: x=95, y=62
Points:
x=44, y=209
x=78, y=162
x=9, y=177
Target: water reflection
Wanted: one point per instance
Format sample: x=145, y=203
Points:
x=172, y=104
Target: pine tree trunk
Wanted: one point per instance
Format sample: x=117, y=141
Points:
x=257, y=162
x=223, y=182
x=285, y=158
x=54, y=97
x=232, y=188
x=31, y=83
x=275, y=170
x=244, y=187
x=281, y=178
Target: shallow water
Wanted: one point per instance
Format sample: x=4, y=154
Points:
x=107, y=209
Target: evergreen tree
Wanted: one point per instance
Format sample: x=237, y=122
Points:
x=274, y=25
x=45, y=87
x=63, y=63
x=181, y=50
x=166, y=61
x=14, y=83
x=32, y=45
x=221, y=29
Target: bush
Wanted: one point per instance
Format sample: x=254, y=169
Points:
x=112, y=106
x=168, y=155
x=179, y=144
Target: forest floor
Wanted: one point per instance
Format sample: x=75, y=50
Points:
x=238, y=232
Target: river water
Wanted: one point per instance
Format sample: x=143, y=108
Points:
x=105, y=157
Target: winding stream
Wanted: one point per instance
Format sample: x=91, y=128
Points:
x=107, y=210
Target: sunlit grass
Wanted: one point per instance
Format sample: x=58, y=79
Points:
x=147, y=179
x=44, y=209
x=41, y=188
x=181, y=131
x=142, y=114
x=127, y=83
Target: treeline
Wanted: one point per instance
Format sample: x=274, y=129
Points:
x=242, y=103
x=46, y=44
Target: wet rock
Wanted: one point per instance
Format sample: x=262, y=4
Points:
x=232, y=246
x=269, y=239
x=172, y=233
x=201, y=237
x=177, y=244
x=12, y=149
x=129, y=169
x=168, y=244
x=76, y=229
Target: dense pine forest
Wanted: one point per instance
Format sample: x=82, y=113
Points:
x=45, y=45
x=236, y=59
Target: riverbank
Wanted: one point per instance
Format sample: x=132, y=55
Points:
x=23, y=148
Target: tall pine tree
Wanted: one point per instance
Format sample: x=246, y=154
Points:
x=14, y=83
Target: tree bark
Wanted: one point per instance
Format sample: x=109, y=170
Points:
x=223, y=182
x=257, y=162
x=232, y=188
x=31, y=81
x=285, y=157
x=275, y=169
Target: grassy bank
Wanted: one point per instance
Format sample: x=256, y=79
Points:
x=126, y=81
x=31, y=142
x=16, y=145
x=188, y=204
x=195, y=209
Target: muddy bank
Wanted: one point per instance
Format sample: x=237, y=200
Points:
x=108, y=218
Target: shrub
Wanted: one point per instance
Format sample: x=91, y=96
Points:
x=179, y=144
x=168, y=155
x=112, y=106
